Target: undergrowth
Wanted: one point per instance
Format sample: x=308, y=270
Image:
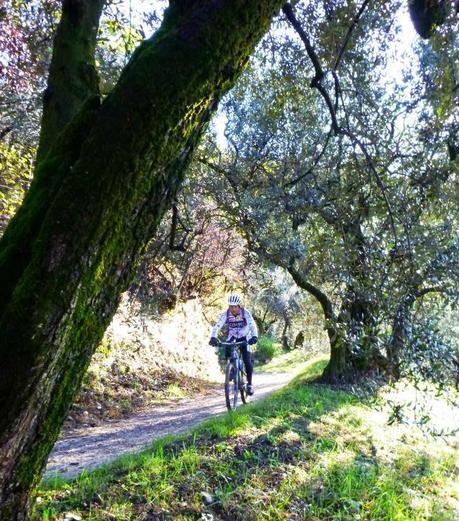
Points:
x=308, y=452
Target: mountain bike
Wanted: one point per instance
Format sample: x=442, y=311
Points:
x=235, y=384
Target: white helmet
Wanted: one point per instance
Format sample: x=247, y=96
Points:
x=234, y=300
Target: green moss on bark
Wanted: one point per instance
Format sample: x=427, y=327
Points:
x=17, y=241
x=427, y=15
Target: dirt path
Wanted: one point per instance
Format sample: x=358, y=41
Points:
x=90, y=447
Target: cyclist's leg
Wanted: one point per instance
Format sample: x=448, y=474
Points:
x=248, y=363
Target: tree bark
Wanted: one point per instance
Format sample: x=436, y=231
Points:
x=97, y=199
x=357, y=317
x=285, y=336
x=397, y=340
x=72, y=88
x=426, y=15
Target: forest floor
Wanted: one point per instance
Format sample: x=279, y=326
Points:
x=119, y=395
x=93, y=441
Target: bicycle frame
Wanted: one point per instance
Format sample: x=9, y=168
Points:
x=235, y=373
x=233, y=346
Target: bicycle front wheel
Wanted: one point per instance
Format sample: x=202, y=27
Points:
x=242, y=386
x=231, y=386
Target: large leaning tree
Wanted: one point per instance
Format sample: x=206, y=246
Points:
x=107, y=169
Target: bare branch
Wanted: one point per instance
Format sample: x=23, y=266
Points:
x=316, y=81
x=173, y=232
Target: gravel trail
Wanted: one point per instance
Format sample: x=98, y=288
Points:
x=87, y=448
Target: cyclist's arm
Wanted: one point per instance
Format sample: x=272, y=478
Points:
x=221, y=322
x=253, y=330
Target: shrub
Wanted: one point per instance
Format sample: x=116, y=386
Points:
x=265, y=349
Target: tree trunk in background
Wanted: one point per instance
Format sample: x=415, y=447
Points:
x=359, y=315
x=263, y=324
x=397, y=340
x=344, y=365
x=339, y=367
x=355, y=330
x=353, y=337
x=260, y=324
x=285, y=335
x=97, y=198
x=299, y=340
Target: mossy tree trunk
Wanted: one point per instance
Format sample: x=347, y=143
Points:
x=427, y=15
x=97, y=198
x=345, y=363
x=357, y=345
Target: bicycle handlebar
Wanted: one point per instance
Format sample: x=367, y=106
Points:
x=240, y=343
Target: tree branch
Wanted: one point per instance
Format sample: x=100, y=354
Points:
x=173, y=232
x=431, y=289
x=324, y=301
x=316, y=81
x=355, y=21
x=312, y=167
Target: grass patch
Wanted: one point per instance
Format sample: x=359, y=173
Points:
x=306, y=452
x=296, y=361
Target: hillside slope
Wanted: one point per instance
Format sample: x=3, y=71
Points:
x=145, y=360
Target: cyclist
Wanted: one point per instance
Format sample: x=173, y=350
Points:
x=241, y=326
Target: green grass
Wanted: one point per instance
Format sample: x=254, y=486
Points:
x=293, y=361
x=307, y=452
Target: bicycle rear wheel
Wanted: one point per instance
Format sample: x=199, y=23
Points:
x=231, y=386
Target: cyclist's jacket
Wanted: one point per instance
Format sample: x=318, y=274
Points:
x=240, y=326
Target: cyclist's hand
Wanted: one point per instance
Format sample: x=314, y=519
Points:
x=253, y=340
x=213, y=342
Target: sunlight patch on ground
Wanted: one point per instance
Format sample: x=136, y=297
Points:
x=308, y=452
x=295, y=361
x=424, y=405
